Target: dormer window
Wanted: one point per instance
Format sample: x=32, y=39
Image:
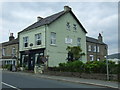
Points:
x=38, y=39
x=74, y=27
x=68, y=26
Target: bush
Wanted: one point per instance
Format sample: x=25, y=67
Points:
x=88, y=67
x=76, y=66
x=8, y=66
x=95, y=67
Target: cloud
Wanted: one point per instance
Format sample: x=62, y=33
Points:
x=95, y=17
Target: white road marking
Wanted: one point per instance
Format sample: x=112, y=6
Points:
x=10, y=86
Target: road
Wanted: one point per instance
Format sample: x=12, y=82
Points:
x=19, y=81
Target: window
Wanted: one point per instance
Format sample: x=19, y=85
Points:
x=25, y=41
x=68, y=26
x=91, y=58
x=94, y=48
x=98, y=49
x=74, y=27
x=68, y=40
x=53, y=38
x=38, y=39
x=89, y=47
x=3, y=52
x=78, y=41
x=13, y=51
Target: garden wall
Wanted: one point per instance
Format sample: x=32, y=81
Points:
x=113, y=77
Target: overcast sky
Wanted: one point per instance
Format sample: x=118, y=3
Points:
x=96, y=17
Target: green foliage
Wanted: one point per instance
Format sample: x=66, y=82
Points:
x=76, y=52
x=8, y=66
x=76, y=66
x=95, y=67
x=88, y=67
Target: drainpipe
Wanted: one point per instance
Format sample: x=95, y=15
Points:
x=46, y=42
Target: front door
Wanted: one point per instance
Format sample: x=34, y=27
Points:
x=31, y=61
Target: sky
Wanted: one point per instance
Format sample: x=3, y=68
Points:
x=96, y=17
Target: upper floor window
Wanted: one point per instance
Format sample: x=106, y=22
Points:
x=38, y=39
x=13, y=51
x=68, y=40
x=89, y=48
x=74, y=27
x=94, y=48
x=68, y=26
x=25, y=41
x=98, y=49
x=3, y=51
x=53, y=38
x=78, y=41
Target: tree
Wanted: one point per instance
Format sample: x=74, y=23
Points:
x=74, y=53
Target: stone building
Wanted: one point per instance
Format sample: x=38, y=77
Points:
x=96, y=48
x=9, y=51
x=50, y=36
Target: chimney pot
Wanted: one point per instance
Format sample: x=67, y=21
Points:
x=100, y=38
x=67, y=8
x=11, y=37
x=39, y=18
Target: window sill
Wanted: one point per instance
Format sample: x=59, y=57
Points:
x=38, y=45
x=53, y=45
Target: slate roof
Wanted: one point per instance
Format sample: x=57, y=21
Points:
x=93, y=40
x=51, y=19
x=15, y=41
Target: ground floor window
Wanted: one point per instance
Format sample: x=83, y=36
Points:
x=91, y=57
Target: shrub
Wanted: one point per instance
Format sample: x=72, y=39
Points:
x=76, y=66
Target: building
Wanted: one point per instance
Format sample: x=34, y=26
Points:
x=96, y=48
x=9, y=51
x=49, y=37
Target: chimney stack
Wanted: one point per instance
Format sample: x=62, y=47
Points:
x=67, y=8
x=39, y=18
x=100, y=38
x=11, y=37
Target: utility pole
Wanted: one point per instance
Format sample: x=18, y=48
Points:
x=107, y=67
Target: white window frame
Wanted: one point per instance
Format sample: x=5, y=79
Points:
x=92, y=57
x=98, y=49
x=37, y=39
x=68, y=40
x=25, y=41
x=89, y=48
x=53, y=38
x=94, y=49
x=13, y=51
x=3, y=51
x=78, y=41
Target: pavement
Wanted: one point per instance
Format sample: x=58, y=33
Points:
x=109, y=84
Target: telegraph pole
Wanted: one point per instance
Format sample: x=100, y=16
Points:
x=107, y=66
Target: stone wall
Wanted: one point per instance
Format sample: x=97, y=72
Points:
x=83, y=75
